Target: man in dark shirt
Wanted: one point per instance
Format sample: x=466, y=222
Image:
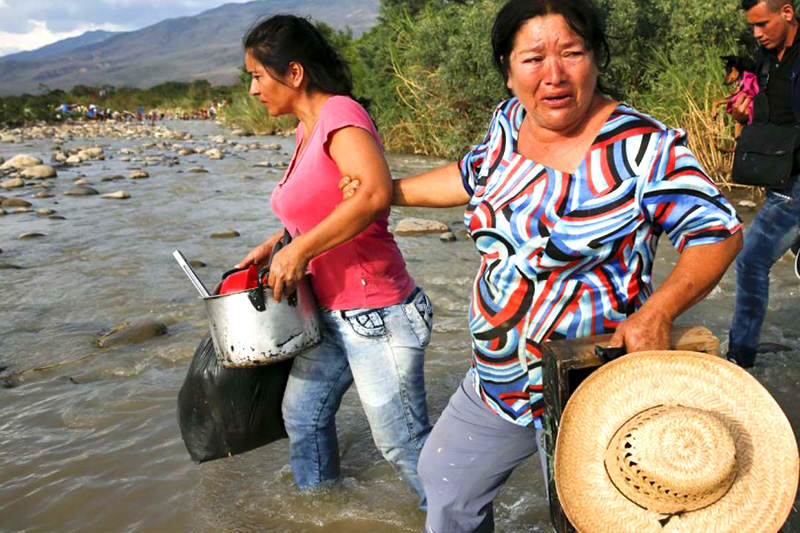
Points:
x=777, y=223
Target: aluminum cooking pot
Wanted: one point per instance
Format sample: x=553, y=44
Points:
x=250, y=328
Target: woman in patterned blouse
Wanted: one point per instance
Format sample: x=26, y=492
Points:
x=566, y=198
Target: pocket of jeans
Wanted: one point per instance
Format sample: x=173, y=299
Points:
x=366, y=323
x=420, y=315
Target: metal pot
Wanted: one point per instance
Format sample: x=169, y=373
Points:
x=250, y=328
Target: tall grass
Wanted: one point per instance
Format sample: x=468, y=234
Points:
x=247, y=113
x=682, y=97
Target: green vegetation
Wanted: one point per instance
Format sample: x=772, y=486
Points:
x=173, y=97
x=427, y=70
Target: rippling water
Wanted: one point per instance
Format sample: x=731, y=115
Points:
x=94, y=445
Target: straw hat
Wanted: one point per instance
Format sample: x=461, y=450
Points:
x=675, y=441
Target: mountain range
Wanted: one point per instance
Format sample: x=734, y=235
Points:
x=205, y=46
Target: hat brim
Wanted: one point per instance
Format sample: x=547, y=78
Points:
x=766, y=483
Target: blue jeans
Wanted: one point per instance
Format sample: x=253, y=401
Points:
x=769, y=237
x=382, y=350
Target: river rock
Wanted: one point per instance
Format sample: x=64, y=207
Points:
x=747, y=204
x=81, y=181
x=31, y=235
x=80, y=190
x=95, y=152
x=115, y=177
x=127, y=333
x=419, y=226
x=198, y=170
x=12, y=183
x=20, y=210
x=9, y=266
x=275, y=146
x=225, y=234
x=447, y=236
x=21, y=161
x=117, y=195
x=185, y=151
x=197, y=263
x=241, y=133
x=43, y=194
x=15, y=202
x=219, y=139
x=247, y=177
x=2, y=212
x=214, y=153
x=45, y=212
x=73, y=160
x=7, y=138
x=39, y=172
x=58, y=157
x=139, y=174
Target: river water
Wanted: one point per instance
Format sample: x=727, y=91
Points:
x=95, y=446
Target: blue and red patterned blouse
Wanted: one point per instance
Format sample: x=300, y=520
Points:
x=570, y=255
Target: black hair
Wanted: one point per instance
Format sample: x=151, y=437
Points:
x=582, y=16
x=280, y=39
x=772, y=5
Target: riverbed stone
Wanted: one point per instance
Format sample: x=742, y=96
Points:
x=21, y=161
x=214, y=153
x=239, y=132
x=15, y=202
x=31, y=235
x=81, y=181
x=45, y=211
x=132, y=333
x=43, y=194
x=139, y=174
x=185, y=151
x=115, y=177
x=748, y=204
x=39, y=172
x=21, y=210
x=80, y=190
x=419, y=226
x=447, y=236
x=227, y=234
x=73, y=160
x=117, y=195
x=58, y=157
x=198, y=170
x=12, y=183
x=196, y=263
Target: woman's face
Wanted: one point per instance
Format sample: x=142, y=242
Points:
x=276, y=94
x=552, y=73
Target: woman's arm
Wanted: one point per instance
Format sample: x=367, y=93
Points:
x=356, y=153
x=441, y=187
x=698, y=270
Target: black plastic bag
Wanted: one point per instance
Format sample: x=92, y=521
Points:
x=226, y=411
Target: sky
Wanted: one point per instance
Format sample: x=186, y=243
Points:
x=31, y=24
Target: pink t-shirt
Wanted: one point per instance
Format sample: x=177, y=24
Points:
x=367, y=271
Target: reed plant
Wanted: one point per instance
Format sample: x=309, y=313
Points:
x=682, y=97
x=247, y=113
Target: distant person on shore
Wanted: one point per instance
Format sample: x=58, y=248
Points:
x=375, y=321
x=566, y=198
x=777, y=223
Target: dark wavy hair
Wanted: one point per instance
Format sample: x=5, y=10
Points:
x=280, y=39
x=582, y=16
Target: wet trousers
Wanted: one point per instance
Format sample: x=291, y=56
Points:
x=382, y=351
x=467, y=458
x=772, y=232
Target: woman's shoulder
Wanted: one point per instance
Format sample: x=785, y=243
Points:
x=341, y=108
x=635, y=122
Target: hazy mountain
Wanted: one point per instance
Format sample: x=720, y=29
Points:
x=61, y=47
x=205, y=46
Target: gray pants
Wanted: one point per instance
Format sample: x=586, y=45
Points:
x=467, y=458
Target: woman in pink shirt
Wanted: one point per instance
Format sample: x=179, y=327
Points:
x=376, y=322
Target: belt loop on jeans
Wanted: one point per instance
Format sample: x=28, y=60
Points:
x=410, y=298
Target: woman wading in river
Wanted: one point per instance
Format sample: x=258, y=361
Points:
x=375, y=321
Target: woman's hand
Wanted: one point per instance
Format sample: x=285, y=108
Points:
x=348, y=186
x=646, y=329
x=288, y=267
x=259, y=255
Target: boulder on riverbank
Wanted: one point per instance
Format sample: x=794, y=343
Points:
x=419, y=226
x=39, y=172
x=128, y=333
x=21, y=161
x=80, y=190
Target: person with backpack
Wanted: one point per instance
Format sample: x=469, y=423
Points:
x=776, y=124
